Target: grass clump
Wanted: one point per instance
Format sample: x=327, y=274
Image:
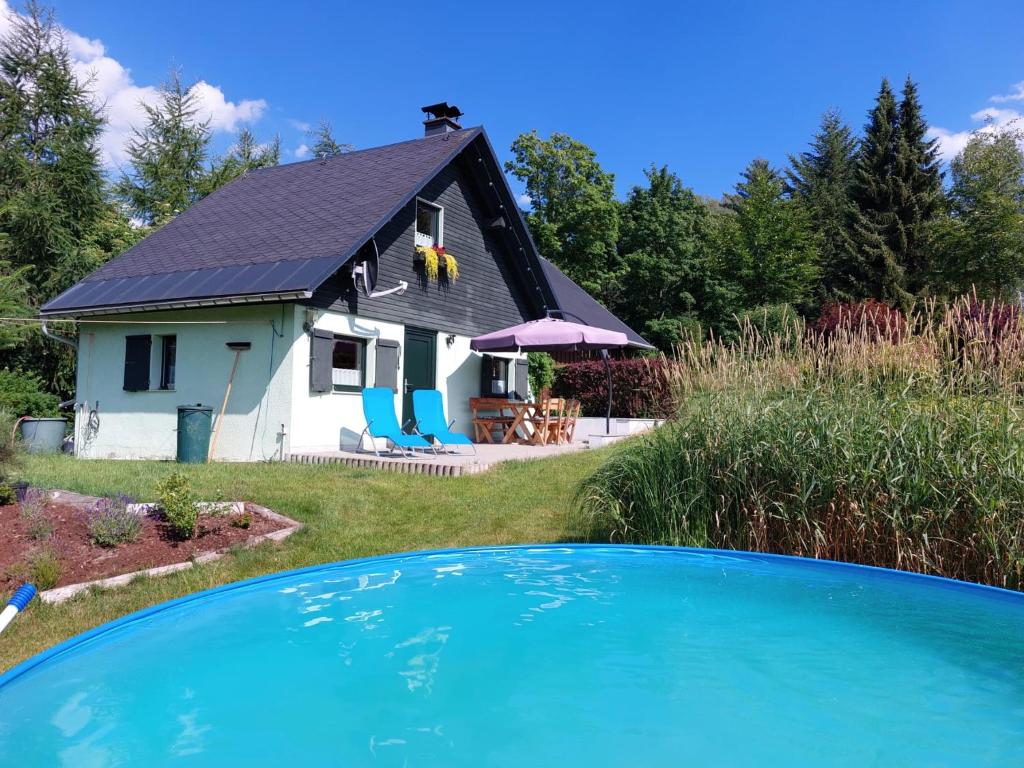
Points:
x=178, y=504
x=110, y=522
x=44, y=568
x=905, y=452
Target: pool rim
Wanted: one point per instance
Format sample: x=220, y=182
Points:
x=872, y=572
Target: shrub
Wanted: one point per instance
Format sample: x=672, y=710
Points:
x=839, y=448
x=640, y=387
x=174, y=494
x=244, y=520
x=872, y=319
x=7, y=444
x=22, y=394
x=44, y=568
x=110, y=522
x=7, y=495
x=541, y=371
x=33, y=512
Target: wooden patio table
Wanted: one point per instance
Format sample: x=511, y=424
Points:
x=512, y=419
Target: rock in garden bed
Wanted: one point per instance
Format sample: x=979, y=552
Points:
x=47, y=538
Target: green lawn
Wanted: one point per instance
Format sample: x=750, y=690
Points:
x=347, y=513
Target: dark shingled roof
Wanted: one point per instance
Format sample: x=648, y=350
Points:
x=279, y=232
x=579, y=305
x=274, y=230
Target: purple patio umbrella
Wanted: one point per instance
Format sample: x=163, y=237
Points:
x=551, y=334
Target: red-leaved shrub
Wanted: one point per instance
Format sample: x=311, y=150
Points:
x=877, y=321
x=641, y=389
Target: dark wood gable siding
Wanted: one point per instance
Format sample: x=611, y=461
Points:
x=489, y=294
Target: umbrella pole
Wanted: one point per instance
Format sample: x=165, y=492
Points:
x=608, y=372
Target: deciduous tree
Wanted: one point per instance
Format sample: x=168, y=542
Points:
x=574, y=217
x=767, y=245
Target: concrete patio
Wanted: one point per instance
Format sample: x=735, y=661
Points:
x=447, y=465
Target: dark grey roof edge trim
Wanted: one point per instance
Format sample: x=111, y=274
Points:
x=395, y=209
x=218, y=301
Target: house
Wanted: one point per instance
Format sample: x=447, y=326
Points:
x=283, y=260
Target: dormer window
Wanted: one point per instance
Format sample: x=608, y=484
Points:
x=428, y=224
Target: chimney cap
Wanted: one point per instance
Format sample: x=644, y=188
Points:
x=441, y=110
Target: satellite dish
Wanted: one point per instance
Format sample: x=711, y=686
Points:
x=365, y=269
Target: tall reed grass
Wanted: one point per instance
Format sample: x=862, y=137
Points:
x=902, y=449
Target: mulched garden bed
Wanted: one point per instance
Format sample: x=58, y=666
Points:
x=81, y=560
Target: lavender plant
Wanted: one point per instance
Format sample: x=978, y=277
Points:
x=111, y=523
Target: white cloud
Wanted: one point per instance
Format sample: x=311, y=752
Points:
x=524, y=200
x=122, y=98
x=300, y=125
x=1016, y=95
x=951, y=143
x=302, y=151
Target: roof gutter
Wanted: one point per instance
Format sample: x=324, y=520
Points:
x=222, y=301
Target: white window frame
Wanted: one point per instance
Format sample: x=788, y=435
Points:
x=420, y=239
x=363, y=356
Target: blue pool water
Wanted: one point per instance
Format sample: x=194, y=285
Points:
x=548, y=656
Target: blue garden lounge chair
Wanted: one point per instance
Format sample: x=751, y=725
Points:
x=430, y=421
x=379, y=410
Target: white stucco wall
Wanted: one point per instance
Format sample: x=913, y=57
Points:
x=328, y=421
x=271, y=411
x=332, y=420
x=143, y=424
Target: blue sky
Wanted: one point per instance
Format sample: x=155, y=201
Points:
x=702, y=87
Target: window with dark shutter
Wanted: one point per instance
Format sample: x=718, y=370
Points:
x=522, y=380
x=386, y=365
x=321, y=365
x=136, y=362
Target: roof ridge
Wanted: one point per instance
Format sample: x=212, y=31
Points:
x=342, y=155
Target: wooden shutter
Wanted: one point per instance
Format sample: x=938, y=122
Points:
x=386, y=366
x=522, y=379
x=136, y=362
x=485, y=375
x=321, y=362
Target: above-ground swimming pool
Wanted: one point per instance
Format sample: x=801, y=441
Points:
x=539, y=656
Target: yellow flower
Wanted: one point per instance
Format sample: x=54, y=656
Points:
x=451, y=266
x=430, y=263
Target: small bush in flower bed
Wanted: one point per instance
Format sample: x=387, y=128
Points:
x=871, y=319
x=641, y=388
x=110, y=522
x=33, y=512
x=178, y=504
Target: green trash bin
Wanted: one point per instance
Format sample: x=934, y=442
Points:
x=194, y=433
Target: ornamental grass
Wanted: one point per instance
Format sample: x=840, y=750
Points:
x=903, y=450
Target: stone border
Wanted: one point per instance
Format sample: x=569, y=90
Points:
x=403, y=466
x=60, y=594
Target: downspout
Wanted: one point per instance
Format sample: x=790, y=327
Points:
x=57, y=337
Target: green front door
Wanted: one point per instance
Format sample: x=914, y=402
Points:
x=418, y=369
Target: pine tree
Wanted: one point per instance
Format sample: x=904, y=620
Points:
x=768, y=244
x=51, y=181
x=52, y=202
x=821, y=179
x=918, y=187
x=326, y=146
x=876, y=228
x=167, y=157
x=245, y=155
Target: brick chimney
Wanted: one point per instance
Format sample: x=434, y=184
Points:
x=441, y=118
